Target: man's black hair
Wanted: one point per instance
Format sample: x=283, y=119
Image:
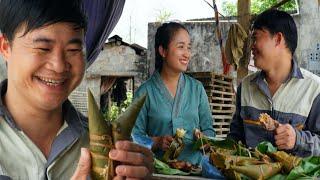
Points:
x=38, y=13
x=278, y=21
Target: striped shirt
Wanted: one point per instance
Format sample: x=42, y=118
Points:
x=296, y=102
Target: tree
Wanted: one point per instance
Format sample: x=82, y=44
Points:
x=229, y=8
x=163, y=16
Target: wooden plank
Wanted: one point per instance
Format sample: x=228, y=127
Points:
x=222, y=98
x=222, y=111
x=223, y=136
x=221, y=92
x=224, y=87
x=221, y=82
x=222, y=117
x=215, y=124
x=222, y=105
x=222, y=129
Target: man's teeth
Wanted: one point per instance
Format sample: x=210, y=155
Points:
x=51, y=82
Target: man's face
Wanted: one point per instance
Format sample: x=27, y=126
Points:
x=264, y=49
x=45, y=65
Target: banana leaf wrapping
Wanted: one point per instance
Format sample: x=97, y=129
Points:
x=288, y=161
x=262, y=171
x=103, y=134
x=265, y=162
x=175, y=147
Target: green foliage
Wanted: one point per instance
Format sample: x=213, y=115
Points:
x=229, y=8
x=164, y=168
x=114, y=111
x=163, y=16
x=266, y=147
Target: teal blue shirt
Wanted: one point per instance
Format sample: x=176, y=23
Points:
x=162, y=114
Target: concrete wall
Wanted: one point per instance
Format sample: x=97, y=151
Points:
x=308, y=22
x=205, y=47
x=114, y=60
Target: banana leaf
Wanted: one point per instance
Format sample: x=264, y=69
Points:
x=103, y=135
x=309, y=168
x=100, y=133
x=225, y=144
x=266, y=147
x=263, y=171
x=262, y=157
x=232, y=174
x=173, y=152
x=288, y=161
x=176, y=146
x=225, y=161
x=164, y=168
x=278, y=177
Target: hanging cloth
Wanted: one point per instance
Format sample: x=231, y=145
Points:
x=103, y=15
x=234, y=44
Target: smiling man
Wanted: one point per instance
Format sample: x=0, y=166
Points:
x=283, y=90
x=41, y=133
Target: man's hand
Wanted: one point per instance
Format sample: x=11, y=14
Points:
x=285, y=137
x=162, y=142
x=84, y=166
x=136, y=161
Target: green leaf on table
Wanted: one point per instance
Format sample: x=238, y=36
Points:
x=266, y=147
x=164, y=168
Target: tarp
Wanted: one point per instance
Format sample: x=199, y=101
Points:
x=103, y=15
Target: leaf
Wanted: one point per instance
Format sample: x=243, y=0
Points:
x=266, y=147
x=263, y=171
x=164, y=168
x=225, y=144
x=309, y=167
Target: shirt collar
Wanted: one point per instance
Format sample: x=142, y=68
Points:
x=295, y=73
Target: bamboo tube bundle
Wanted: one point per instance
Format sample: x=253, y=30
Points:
x=104, y=134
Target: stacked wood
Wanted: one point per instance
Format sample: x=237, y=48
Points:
x=221, y=96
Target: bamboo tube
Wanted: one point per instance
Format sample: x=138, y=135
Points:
x=100, y=133
x=104, y=134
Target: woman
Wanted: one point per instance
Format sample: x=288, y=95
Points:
x=175, y=100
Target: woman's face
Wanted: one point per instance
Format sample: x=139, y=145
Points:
x=177, y=55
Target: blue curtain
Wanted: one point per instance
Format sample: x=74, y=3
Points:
x=103, y=16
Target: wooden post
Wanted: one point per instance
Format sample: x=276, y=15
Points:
x=244, y=16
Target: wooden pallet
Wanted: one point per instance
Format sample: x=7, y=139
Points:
x=221, y=97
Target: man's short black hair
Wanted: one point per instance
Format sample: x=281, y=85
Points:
x=38, y=13
x=278, y=21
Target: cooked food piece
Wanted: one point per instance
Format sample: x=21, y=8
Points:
x=267, y=122
x=181, y=165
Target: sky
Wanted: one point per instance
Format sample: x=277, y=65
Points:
x=137, y=13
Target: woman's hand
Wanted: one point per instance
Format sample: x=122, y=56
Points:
x=162, y=142
x=198, y=134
